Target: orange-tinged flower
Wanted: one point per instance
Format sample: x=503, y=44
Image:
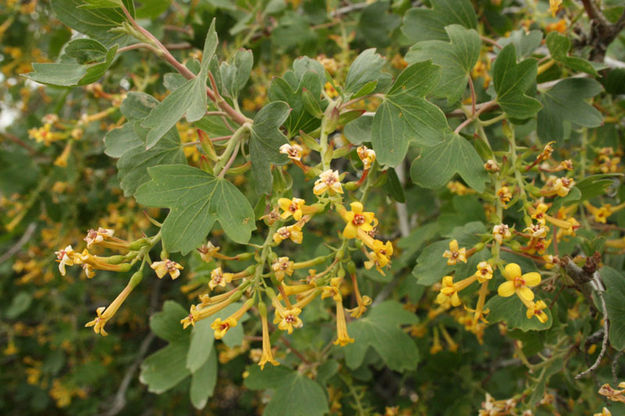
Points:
x=454, y=254
x=366, y=155
x=504, y=194
x=518, y=283
x=167, y=266
x=291, y=207
x=554, y=6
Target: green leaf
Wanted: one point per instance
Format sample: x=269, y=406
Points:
x=203, y=381
x=134, y=163
x=166, y=323
x=511, y=82
x=394, y=187
x=456, y=58
x=405, y=116
x=376, y=24
x=380, y=330
x=137, y=105
x=566, y=102
x=295, y=394
x=196, y=200
x=524, y=42
x=85, y=51
x=596, y=185
x=119, y=140
x=359, y=130
x=432, y=266
x=234, y=76
x=71, y=74
x=165, y=368
x=438, y=164
x=614, y=295
x=203, y=336
x=152, y=8
x=365, y=68
x=101, y=4
x=189, y=99
x=512, y=311
x=265, y=141
x=96, y=24
x=429, y=24
x=559, y=46
x=19, y=304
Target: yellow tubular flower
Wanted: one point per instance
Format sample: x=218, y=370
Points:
x=65, y=257
x=554, y=6
x=293, y=151
x=484, y=272
x=604, y=412
x=343, y=337
x=286, y=319
x=448, y=293
x=104, y=314
x=219, y=278
x=357, y=219
x=267, y=355
x=167, y=266
x=366, y=155
x=454, y=255
x=221, y=327
x=281, y=267
x=292, y=232
x=536, y=309
x=518, y=283
x=328, y=181
x=291, y=207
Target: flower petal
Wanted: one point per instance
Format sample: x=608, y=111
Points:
x=506, y=289
x=511, y=271
x=531, y=279
x=525, y=293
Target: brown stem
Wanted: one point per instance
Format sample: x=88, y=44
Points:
x=236, y=116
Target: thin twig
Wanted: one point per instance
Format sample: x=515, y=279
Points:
x=20, y=243
x=485, y=106
x=235, y=153
x=119, y=401
x=599, y=289
x=491, y=41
